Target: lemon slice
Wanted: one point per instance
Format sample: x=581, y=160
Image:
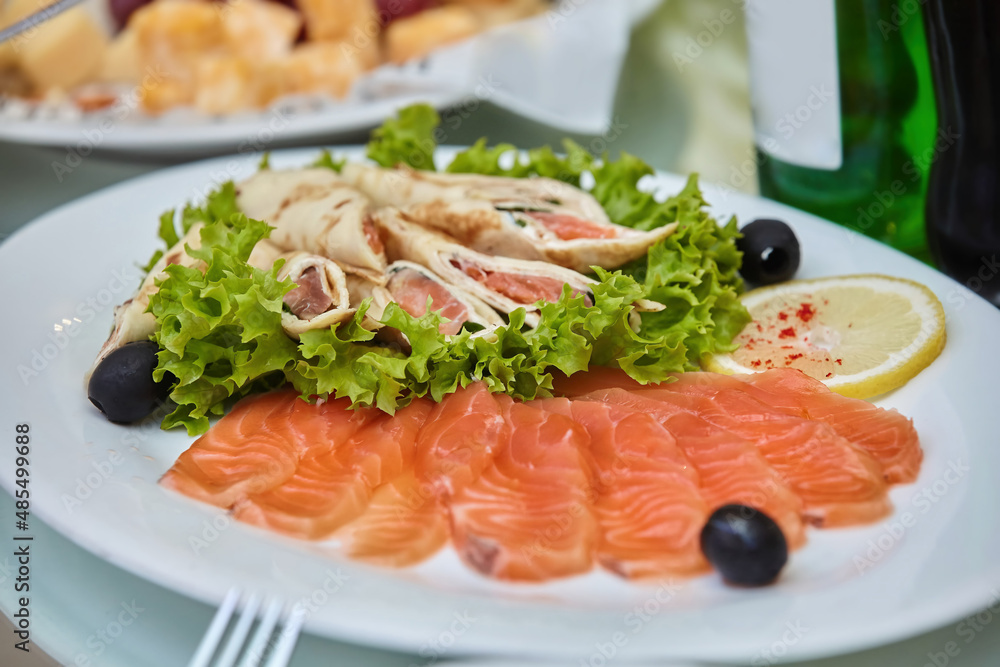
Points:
x=861, y=335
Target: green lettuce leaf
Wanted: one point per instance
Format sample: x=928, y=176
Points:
x=327, y=161
x=481, y=158
x=514, y=360
x=693, y=272
x=409, y=139
x=220, y=204
x=168, y=229
x=219, y=331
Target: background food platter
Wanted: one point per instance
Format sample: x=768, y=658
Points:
x=184, y=132
x=96, y=482
x=574, y=71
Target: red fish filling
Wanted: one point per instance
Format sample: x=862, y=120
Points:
x=309, y=299
x=371, y=235
x=569, y=227
x=524, y=289
x=410, y=290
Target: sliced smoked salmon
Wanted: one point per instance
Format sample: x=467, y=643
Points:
x=259, y=444
x=333, y=483
x=520, y=288
x=730, y=468
x=410, y=289
x=569, y=227
x=838, y=482
x=619, y=474
x=649, y=507
x=462, y=435
x=528, y=516
x=885, y=434
x=594, y=379
x=402, y=526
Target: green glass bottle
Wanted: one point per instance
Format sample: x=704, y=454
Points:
x=861, y=155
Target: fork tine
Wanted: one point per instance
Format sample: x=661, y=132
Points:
x=258, y=644
x=240, y=632
x=286, y=639
x=206, y=649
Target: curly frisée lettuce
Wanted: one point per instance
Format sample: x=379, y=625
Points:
x=220, y=335
x=693, y=272
x=219, y=329
x=513, y=360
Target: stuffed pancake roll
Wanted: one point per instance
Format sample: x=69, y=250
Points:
x=132, y=322
x=528, y=218
x=410, y=284
x=363, y=287
x=315, y=211
x=263, y=255
x=503, y=283
x=405, y=186
x=320, y=298
x=547, y=236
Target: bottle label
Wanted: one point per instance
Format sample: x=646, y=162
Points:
x=794, y=84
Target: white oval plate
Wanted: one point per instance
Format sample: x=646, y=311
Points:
x=933, y=561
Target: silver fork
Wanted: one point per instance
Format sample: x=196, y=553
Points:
x=268, y=647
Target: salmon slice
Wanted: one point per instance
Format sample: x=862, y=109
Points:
x=520, y=288
x=460, y=438
x=649, y=506
x=402, y=526
x=594, y=379
x=258, y=446
x=885, y=434
x=410, y=290
x=333, y=484
x=888, y=436
x=528, y=516
x=310, y=298
x=570, y=227
x=731, y=469
x=839, y=483
x=371, y=235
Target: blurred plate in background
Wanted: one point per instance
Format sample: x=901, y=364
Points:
x=560, y=68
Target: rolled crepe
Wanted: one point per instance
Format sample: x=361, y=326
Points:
x=132, y=323
x=264, y=255
x=538, y=219
x=362, y=287
x=315, y=211
x=409, y=284
x=400, y=285
x=503, y=283
x=320, y=299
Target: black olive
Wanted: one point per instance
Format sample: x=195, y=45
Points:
x=745, y=545
x=122, y=385
x=770, y=252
